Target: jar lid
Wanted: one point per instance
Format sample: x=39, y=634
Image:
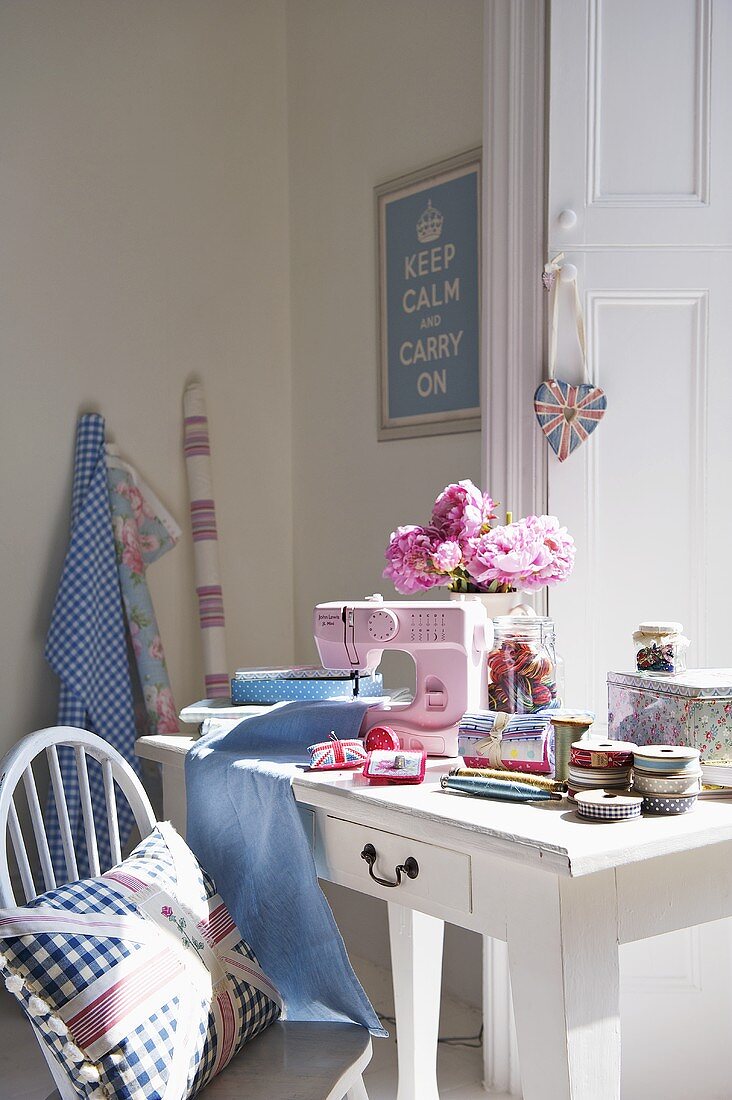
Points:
x=508, y=621
x=655, y=626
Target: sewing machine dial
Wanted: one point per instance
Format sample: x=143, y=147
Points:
x=383, y=625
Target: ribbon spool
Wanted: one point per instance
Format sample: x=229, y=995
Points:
x=567, y=724
x=670, y=760
x=598, y=777
x=668, y=805
x=602, y=754
x=675, y=785
x=524, y=777
x=608, y=806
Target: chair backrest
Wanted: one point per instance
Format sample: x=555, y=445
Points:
x=17, y=766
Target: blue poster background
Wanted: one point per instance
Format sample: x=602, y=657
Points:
x=432, y=299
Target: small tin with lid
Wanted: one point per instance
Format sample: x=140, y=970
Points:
x=660, y=648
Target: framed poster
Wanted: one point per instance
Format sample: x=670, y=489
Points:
x=429, y=299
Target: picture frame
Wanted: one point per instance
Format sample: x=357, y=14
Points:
x=429, y=297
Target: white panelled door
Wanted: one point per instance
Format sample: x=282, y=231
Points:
x=640, y=152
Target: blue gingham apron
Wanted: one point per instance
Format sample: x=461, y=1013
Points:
x=86, y=647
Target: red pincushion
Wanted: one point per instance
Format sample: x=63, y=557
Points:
x=381, y=737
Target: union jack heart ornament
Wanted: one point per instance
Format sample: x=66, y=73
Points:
x=567, y=414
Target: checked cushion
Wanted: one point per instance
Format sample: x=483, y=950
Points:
x=138, y=981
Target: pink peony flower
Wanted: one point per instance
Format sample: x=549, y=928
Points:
x=156, y=649
x=461, y=511
x=447, y=556
x=529, y=554
x=409, y=557
x=135, y=638
x=166, y=911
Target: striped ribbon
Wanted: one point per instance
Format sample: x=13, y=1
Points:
x=197, y=451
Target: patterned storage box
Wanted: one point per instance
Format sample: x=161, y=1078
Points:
x=692, y=708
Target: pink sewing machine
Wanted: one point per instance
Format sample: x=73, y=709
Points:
x=448, y=642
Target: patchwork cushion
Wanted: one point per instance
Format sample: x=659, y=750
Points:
x=138, y=981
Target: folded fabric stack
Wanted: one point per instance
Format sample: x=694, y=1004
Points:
x=668, y=777
x=521, y=742
x=599, y=765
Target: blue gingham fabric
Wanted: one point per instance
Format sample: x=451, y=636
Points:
x=165, y=1039
x=86, y=645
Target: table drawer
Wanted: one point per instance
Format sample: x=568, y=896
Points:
x=442, y=882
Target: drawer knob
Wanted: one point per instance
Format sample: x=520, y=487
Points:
x=410, y=867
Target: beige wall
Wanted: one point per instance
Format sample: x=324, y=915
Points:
x=145, y=196
x=143, y=215
x=375, y=90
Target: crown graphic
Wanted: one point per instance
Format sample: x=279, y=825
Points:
x=429, y=225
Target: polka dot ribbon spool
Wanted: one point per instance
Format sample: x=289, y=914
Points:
x=668, y=804
x=679, y=785
x=602, y=754
x=608, y=806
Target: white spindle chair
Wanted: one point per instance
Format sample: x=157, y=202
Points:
x=291, y=1060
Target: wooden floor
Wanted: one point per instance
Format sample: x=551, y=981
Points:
x=24, y=1075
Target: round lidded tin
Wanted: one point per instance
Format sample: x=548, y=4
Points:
x=604, y=805
x=666, y=759
x=668, y=804
x=602, y=754
x=679, y=785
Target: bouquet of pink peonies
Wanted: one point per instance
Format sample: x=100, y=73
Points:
x=460, y=549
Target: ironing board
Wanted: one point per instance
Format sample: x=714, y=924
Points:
x=561, y=893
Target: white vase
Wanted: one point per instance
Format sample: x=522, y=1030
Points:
x=498, y=603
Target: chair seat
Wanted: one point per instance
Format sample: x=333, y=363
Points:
x=296, y=1061
x=292, y=1060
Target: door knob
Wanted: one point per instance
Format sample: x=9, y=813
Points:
x=567, y=219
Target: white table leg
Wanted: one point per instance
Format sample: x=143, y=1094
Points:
x=564, y=965
x=500, y=1054
x=174, y=797
x=416, y=960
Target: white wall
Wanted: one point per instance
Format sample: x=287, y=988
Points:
x=143, y=218
x=375, y=90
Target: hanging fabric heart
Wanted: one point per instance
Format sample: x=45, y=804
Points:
x=567, y=414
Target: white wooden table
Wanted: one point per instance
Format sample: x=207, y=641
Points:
x=561, y=892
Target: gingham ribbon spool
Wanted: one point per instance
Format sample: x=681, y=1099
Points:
x=608, y=806
x=602, y=754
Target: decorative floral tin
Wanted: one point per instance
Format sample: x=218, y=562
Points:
x=691, y=708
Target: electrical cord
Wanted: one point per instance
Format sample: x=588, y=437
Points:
x=474, y=1042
